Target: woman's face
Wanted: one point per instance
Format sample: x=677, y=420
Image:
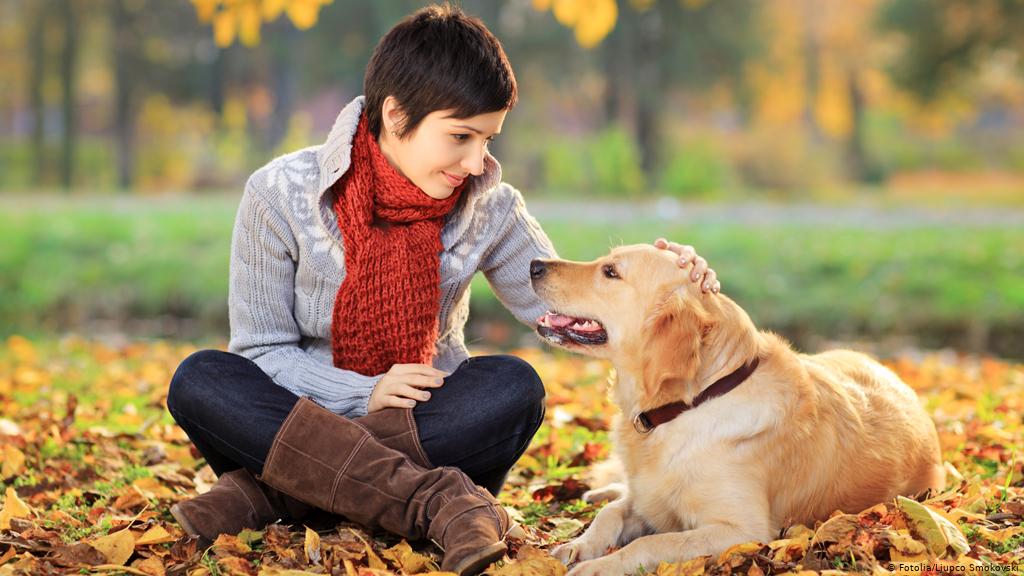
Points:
x=442, y=151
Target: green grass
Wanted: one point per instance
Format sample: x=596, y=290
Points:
x=65, y=265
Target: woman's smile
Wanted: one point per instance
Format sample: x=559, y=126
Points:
x=453, y=181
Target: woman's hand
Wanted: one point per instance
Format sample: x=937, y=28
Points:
x=700, y=273
x=404, y=385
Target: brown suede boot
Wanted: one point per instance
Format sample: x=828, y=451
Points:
x=213, y=513
x=336, y=464
x=396, y=429
x=235, y=502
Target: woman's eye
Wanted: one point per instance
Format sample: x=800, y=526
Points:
x=609, y=271
x=461, y=137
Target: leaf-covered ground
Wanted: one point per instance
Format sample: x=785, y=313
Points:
x=91, y=463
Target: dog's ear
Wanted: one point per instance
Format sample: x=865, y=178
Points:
x=671, y=353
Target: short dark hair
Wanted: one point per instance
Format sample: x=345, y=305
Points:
x=438, y=58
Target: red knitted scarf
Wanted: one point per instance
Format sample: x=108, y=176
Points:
x=386, y=310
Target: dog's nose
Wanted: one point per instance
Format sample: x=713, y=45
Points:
x=537, y=269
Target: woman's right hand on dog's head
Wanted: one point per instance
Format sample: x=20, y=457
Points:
x=404, y=385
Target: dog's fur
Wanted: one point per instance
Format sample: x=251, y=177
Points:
x=803, y=436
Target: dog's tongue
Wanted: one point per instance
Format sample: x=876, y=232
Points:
x=556, y=320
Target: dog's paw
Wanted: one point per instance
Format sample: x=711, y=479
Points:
x=606, y=566
x=566, y=553
x=613, y=491
x=579, y=550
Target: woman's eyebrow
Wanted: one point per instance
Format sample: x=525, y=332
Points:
x=468, y=127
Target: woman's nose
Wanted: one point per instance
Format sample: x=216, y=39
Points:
x=474, y=162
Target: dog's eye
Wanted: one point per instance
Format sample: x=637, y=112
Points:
x=609, y=271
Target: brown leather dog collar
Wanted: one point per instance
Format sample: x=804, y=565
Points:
x=644, y=422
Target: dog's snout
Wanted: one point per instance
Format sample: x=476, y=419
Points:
x=537, y=269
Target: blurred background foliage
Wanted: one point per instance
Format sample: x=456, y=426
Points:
x=127, y=128
x=639, y=97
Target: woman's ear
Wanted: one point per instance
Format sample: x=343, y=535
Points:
x=671, y=353
x=392, y=116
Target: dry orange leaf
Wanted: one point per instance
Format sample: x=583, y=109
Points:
x=937, y=532
x=409, y=562
x=226, y=544
x=691, y=567
x=531, y=562
x=371, y=557
x=13, y=462
x=117, y=548
x=155, y=535
x=13, y=508
x=312, y=546
x=152, y=565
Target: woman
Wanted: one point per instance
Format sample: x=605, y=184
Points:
x=347, y=386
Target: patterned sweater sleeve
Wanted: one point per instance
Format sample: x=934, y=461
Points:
x=260, y=304
x=506, y=265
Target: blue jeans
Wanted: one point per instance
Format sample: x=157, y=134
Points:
x=481, y=420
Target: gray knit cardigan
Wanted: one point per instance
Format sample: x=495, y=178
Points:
x=287, y=263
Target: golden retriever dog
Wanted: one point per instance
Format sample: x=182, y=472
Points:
x=726, y=435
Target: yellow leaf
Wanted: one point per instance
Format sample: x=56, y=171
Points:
x=249, y=24
x=205, y=9
x=303, y=13
x=151, y=487
x=224, y=26
x=838, y=528
x=542, y=5
x=231, y=544
x=371, y=557
x=234, y=566
x=155, y=535
x=152, y=565
x=272, y=9
x=904, y=548
x=595, y=22
x=794, y=547
x=13, y=508
x=691, y=567
x=566, y=11
x=938, y=533
x=739, y=552
x=117, y=548
x=290, y=571
x=531, y=562
x=409, y=562
x=1000, y=536
x=13, y=462
x=312, y=546
x=22, y=349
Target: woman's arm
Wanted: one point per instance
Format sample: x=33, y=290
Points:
x=506, y=264
x=260, y=304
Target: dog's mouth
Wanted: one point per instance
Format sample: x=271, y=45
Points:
x=560, y=329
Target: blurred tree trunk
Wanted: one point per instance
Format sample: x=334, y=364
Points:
x=647, y=83
x=68, y=69
x=37, y=50
x=217, y=83
x=284, y=64
x=856, y=158
x=126, y=46
x=613, y=52
x=812, y=72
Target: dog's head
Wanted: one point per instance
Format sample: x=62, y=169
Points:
x=638, y=308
